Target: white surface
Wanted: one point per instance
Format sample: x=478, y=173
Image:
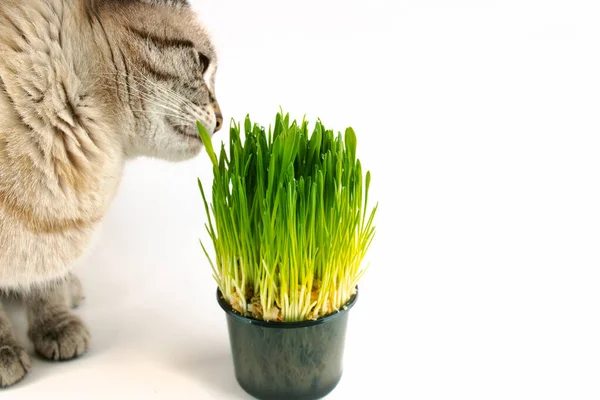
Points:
x=479, y=121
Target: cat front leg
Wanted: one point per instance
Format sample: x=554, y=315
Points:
x=57, y=334
x=76, y=291
x=14, y=361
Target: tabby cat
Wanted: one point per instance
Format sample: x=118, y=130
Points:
x=85, y=85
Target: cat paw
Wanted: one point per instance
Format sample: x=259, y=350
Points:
x=62, y=336
x=14, y=364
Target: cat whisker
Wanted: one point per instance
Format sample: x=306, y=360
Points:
x=149, y=83
x=182, y=125
x=170, y=97
x=167, y=92
x=148, y=95
x=179, y=117
x=166, y=100
x=154, y=101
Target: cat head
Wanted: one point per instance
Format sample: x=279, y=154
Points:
x=169, y=64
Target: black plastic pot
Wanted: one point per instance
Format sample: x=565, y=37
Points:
x=287, y=361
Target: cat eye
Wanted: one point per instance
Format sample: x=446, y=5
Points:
x=203, y=61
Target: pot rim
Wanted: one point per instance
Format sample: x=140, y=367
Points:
x=285, y=325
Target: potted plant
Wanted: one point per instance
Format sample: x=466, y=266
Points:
x=290, y=231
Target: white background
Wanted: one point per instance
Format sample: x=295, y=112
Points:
x=479, y=121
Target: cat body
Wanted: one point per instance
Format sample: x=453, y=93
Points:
x=84, y=86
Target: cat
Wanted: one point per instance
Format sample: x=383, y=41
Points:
x=85, y=86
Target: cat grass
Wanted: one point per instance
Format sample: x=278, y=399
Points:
x=288, y=218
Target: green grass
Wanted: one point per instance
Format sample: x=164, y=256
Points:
x=288, y=219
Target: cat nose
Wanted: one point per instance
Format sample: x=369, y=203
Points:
x=219, y=118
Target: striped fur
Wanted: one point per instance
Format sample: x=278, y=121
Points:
x=84, y=86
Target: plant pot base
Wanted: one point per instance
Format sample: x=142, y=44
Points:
x=316, y=394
